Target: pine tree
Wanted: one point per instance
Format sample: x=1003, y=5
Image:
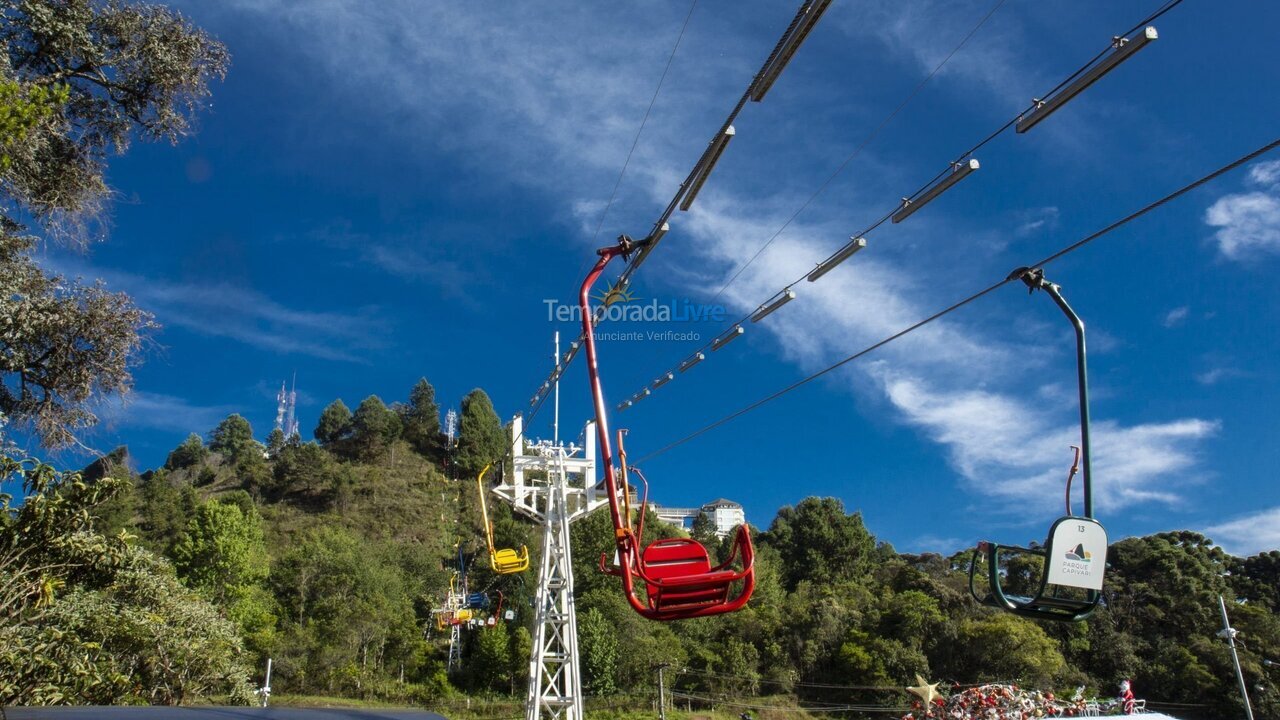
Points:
x=233, y=437
x=421, y=419
x=373, y=428
x=334, y=425
x=481, y=438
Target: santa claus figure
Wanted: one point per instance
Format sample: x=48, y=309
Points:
x=1126, y=696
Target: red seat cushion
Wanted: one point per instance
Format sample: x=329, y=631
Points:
x=676, y=557
x=683, y=567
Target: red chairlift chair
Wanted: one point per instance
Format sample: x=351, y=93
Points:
x=679, y=579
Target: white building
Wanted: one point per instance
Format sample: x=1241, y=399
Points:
x=725, y=514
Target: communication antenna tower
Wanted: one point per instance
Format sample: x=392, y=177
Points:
x=451, y=425
x=286, y=408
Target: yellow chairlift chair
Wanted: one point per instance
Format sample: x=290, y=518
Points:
x=504, y=561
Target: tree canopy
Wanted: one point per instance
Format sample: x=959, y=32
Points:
x=78, y=79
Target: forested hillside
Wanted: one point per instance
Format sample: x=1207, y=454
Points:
x=329, y=556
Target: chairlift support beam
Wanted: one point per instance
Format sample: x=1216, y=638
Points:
x=568, y=492
x=729, y=336
x=692, y=360
x=777, y=301
x=959, y=171
x=855, y=244
x=812, y=12
x=704, y=168
x=1125, y=48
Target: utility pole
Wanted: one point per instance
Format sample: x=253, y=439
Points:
x=1229, y=633
x=265, y=691
x=555, y=427
x=662, y=692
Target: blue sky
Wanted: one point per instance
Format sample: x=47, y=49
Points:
x=385, y=191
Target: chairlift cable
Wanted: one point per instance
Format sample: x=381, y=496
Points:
x=635, y=262
x=636, y=142
x=946, y=171
x=971, y=298
x=858, y=150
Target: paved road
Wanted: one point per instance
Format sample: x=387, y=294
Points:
x=210, y=713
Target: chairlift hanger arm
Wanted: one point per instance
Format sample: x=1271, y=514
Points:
x=1034, y=279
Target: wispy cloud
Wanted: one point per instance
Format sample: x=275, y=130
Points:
x=244, y=315
x=1037, y=220
x=405, y=257
x=1215, y=375
x=1007, y=448
x=157, y=411
x=1249, y=222
x=1175, y=317
x=1249, y=534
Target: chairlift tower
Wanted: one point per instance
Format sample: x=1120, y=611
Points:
x=566, y=492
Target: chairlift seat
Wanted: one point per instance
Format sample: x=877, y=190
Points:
x=507, y=560
x=681, y=581
x=1044, y=604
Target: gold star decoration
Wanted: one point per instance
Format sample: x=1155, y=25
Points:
x=926, y=691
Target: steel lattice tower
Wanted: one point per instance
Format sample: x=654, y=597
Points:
x=567, y=493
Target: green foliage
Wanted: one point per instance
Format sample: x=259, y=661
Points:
x=90, y=619
x=190, y=453
x=233, y=438
x=222, y=552
x=819, y=542
x=334, y=426
x=374, y=428
x=598, y=643
x=481, y=438
x=22, y=109
x=275, y=441
x=704, y=529
x=421, y=419
x=63, y=345
x=361, y=534
x=1006, y=646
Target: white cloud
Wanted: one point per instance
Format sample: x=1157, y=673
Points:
x=1266, y=173
x=1037, y=220
x=158, y=411
x=1249, y=534
x=1175, y=317
x=244, y=315
x=1215, y=375
x=1008, y=448
x=1249, y=222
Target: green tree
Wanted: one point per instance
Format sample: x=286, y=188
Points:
x=819, y=542
x=421, y=419
x=90, y=619
x=1003, y=646
x=490, y=659
x=78, y=80
x=233, y=438
x=303, y=467
x=276, y=442
x=481, y=438
x=704, y=530
x=222, y=551
x=374, y=427
x=190, y=453
x=334, y=426
x=599, y=642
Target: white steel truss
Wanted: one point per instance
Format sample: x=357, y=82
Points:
x=550, y=485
